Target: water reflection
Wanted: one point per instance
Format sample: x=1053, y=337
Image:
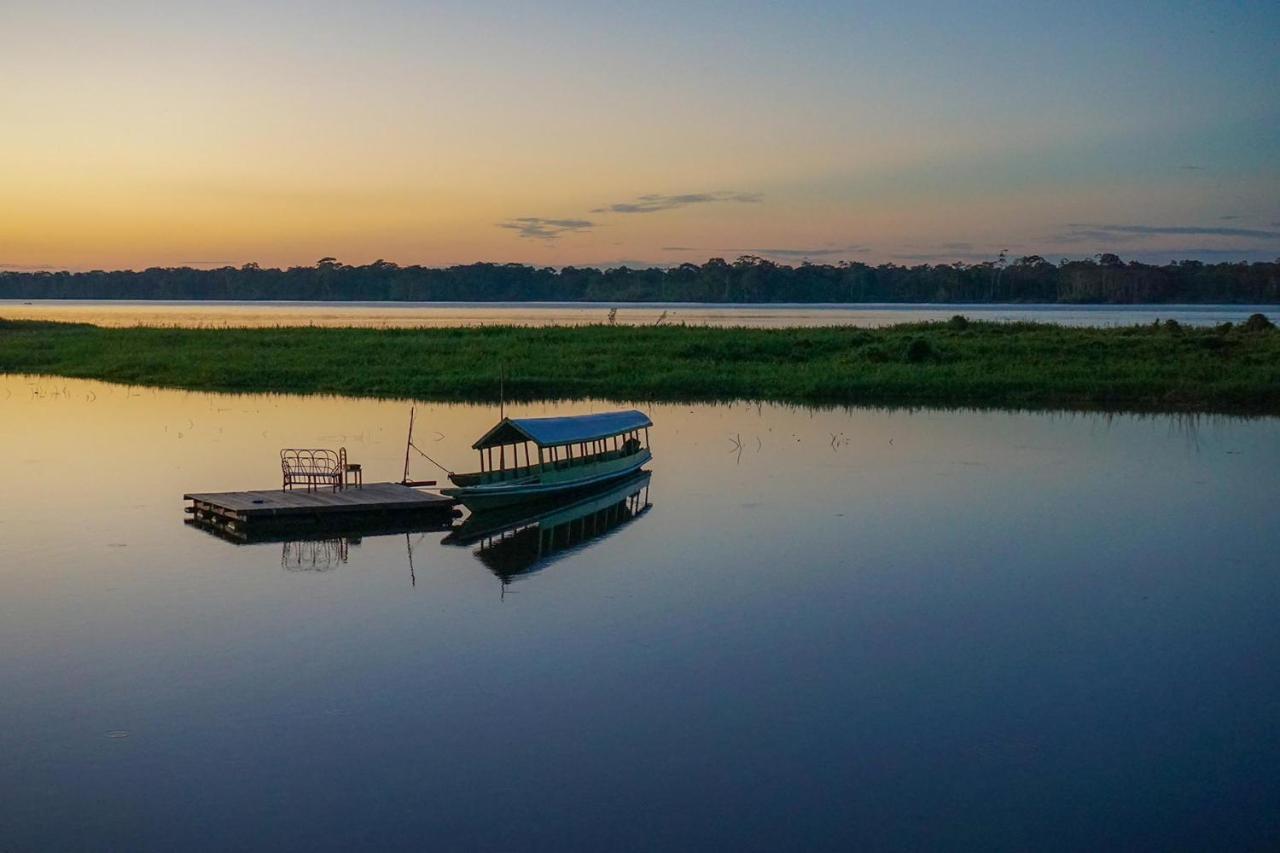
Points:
x=518, y=541
x=312, y=530
x=122, y=312
x=514, y=541
x=949, y=631
x=315, y=555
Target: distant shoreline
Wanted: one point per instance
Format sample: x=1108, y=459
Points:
x=1166, y=367
x=1108, y=280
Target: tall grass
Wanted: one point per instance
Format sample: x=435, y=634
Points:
x=1164, y=367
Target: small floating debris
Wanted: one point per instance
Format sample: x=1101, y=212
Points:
x=117, y=734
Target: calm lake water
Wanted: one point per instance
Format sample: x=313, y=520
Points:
x=834, y=629
x=444, y=314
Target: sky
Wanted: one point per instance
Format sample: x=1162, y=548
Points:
x=600, y=133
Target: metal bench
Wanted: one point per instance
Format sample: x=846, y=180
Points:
x=315, y=467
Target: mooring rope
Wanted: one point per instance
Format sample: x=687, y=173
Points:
x=429, y=459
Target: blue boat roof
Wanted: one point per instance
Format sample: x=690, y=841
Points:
x=549, y=432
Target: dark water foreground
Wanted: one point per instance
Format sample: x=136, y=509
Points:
x=810, y=630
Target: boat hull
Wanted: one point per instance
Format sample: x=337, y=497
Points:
x=490, y=495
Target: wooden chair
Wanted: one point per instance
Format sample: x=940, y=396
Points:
x=351, y=471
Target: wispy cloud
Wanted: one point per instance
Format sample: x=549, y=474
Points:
x=654, y=203
x=1238, y=253
x=946, y=257
x=820, y=252
x=680, y=249
x=7, y=267
x=539, y=228
x=1081, y=232
x=629, y=263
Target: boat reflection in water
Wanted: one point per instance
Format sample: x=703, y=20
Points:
x=517, y=541
x=514, y=541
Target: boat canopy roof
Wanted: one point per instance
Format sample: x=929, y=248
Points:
x=550, y=432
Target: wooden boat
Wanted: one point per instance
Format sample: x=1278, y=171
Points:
x=524, y=459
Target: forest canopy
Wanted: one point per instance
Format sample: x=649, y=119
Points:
x=1103, y=279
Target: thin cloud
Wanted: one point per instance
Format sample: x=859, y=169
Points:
x=1240, y=253
x=539, y=228
x=654, y=203
x=680, y=249
x=947, y=257
x=5, y=267
x=1078, y=232
x=629, y=263
x=824, y=252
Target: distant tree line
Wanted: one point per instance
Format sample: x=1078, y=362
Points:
x=1103, y=279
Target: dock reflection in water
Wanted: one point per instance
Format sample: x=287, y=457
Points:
x=520, y=540
x=514, y=541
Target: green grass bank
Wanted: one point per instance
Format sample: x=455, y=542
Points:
x=959, y=363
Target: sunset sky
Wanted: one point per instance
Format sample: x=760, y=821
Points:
x=154, y=134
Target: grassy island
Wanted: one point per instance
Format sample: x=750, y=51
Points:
x=1164, y=367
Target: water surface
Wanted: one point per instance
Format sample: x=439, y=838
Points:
x=832, y=629
x=452, y=314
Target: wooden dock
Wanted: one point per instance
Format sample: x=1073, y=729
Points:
x=247, y=515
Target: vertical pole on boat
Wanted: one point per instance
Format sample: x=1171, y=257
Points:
x=502, y=391
x=408, y=442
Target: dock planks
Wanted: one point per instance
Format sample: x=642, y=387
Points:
x=240, y=512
